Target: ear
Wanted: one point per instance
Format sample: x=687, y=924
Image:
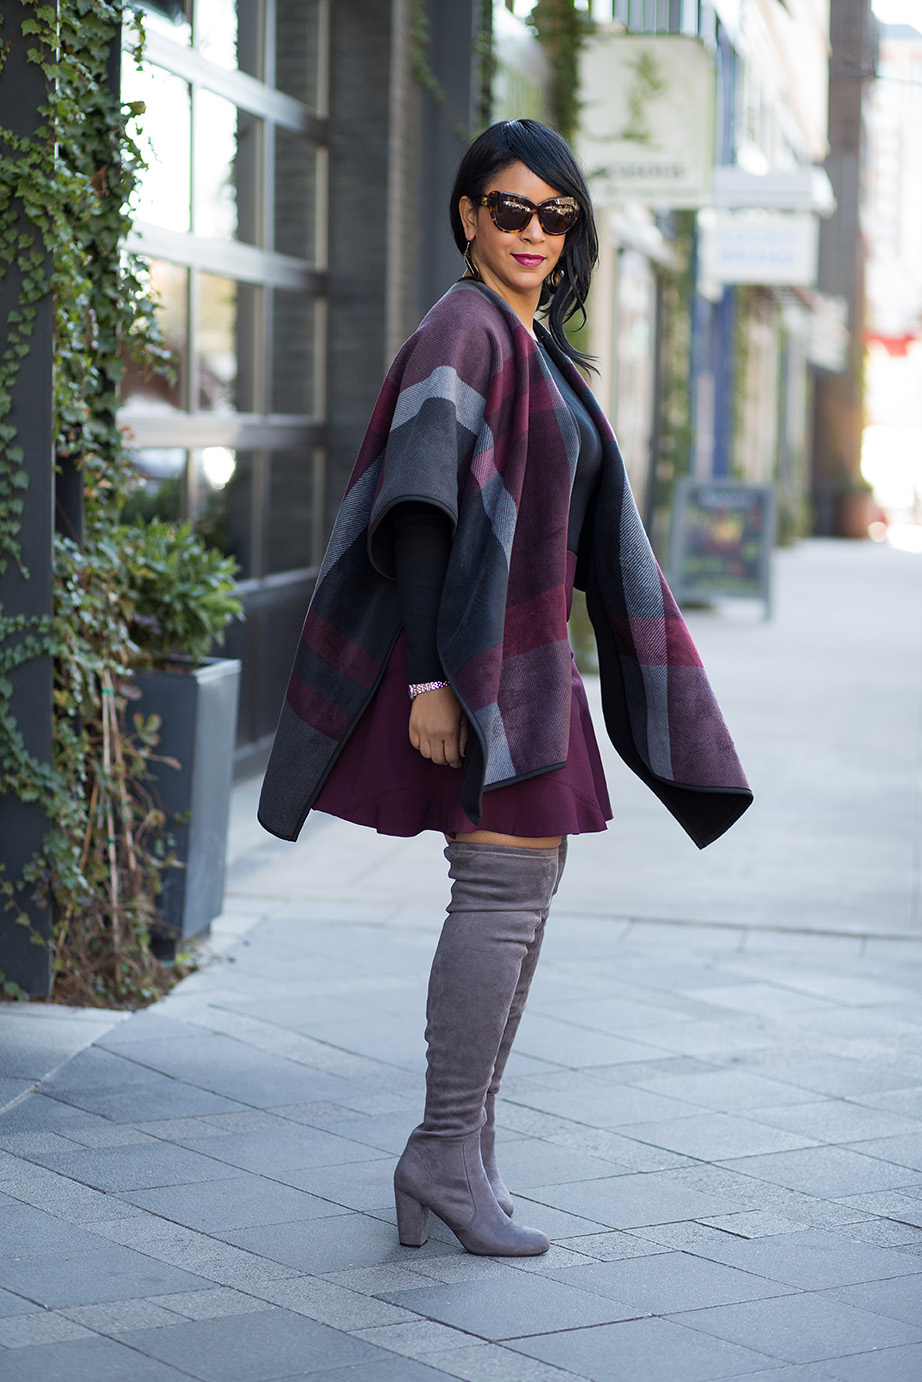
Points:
x=468, y=213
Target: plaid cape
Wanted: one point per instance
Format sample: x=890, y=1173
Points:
x=470, y=421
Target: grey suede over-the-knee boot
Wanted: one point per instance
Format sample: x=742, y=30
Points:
x=526, y=974
x=499, y=897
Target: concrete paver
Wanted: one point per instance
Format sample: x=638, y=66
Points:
x=714, y=1107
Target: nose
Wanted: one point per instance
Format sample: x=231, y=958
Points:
x=534, y=229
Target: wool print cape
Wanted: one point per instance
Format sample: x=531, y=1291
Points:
x=470, y=421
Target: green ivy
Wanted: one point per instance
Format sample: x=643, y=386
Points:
x=64, y=214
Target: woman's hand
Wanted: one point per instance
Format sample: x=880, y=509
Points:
x=438, y=727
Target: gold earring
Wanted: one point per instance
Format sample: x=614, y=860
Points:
x=472, y=267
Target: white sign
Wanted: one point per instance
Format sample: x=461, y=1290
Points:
x=763, y=247
x=647, y=119
x=829, y=338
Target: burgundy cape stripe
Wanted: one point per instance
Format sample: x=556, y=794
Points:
x=470, y=421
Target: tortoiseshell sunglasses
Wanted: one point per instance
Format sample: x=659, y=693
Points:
x=511, y=213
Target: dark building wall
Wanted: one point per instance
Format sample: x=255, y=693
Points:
x=447, y=127
x=359, y=129
x=23, y=824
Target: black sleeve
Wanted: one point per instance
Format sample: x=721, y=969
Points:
x=422, y=545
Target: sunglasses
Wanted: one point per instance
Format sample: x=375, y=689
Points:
x=511, y=213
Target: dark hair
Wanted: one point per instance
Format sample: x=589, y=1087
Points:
x=548, y=156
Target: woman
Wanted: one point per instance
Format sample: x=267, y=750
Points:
x=488, y=482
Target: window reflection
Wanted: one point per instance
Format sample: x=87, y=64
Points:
x=225, y=343
x=295, y=195
x=216, y=31
x=162, y=192
x=290, y=511
x=157, y=393
x=230, y=34
x=226, y=169
x=224, y=515
x=293, y=353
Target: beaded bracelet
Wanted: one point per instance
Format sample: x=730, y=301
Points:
x=421, y=686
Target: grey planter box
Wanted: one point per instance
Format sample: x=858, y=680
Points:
x=198, y=713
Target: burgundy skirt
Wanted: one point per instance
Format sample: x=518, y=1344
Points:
x=380, y=780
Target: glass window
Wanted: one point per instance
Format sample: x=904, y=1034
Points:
x=290, y=511
x=167, y=17
x=225, y=502
x=226, y=344
x=293, y=388
x=216, y=31
x=156, y=393
x=162, y=192
x=297, y=49
x=295, y=195
x=227, y=144
x=158, y=493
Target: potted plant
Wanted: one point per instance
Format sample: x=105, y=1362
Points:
x=183, y=598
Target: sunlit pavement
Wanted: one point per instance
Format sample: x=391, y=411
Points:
x=714, y=1108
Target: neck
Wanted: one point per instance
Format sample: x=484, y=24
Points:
x=524, y=305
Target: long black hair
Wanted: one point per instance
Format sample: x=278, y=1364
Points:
x=548, y=156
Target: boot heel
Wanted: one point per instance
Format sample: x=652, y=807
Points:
x=412, y=1220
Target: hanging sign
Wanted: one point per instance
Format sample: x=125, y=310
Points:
x=760, y=247
x=647, y=119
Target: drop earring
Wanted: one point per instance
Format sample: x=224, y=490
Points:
x=472, y=267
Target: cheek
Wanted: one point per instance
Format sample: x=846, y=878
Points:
x=557, y=251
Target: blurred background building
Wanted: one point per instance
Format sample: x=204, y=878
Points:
x=892, y=458
x=301, y=154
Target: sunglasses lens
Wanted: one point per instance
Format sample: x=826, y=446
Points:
x=556, y=219
x=510, y=214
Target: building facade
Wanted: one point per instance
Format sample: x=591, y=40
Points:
x=751, y=263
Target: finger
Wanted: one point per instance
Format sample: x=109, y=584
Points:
x=462, y=738
x=453, y=752
x=439, y=753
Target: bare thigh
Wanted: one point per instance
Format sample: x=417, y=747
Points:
x=490, y=837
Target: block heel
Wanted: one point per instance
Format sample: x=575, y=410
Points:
x=412, y=1220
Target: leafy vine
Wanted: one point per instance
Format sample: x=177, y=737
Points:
x=64, y=197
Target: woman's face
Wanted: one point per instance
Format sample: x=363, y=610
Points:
x=514, y=264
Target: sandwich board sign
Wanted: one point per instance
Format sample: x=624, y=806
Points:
x=723, y=534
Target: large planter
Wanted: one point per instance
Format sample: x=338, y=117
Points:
x=198, y=713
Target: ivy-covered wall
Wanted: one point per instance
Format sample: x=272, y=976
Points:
x=83, y=840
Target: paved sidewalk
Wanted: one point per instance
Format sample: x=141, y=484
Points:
x=714, y=1108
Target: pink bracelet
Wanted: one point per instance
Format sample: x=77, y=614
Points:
x=418, y=688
